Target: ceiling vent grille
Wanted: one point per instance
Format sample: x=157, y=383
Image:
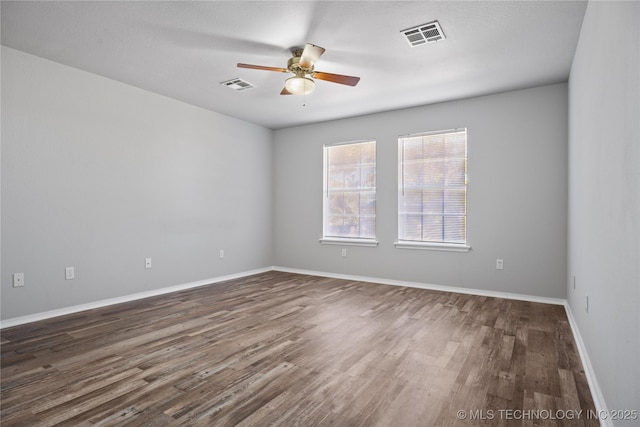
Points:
x=423, y=34
x=238, y=84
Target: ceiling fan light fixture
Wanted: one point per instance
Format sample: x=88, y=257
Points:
x=299, y=85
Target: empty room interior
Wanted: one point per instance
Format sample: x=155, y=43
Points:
x=373, y=213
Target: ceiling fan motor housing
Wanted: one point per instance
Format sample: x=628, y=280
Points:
x=294, y=65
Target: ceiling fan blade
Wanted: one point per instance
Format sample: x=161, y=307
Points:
x=310, y=55
x=336, y=78
x=285, y=92
x=262, y=67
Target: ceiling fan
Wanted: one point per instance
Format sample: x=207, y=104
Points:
x=302, y=65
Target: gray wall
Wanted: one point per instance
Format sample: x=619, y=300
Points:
x=517, y=194
x=604, y=197
x=100, y=175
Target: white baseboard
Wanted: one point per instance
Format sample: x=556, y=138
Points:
x=126, y=298
x=469, y=291
x=596, y=392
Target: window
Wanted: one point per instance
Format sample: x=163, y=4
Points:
x=432, y=190
x=350, y=193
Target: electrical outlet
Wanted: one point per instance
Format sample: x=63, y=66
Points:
x=221, y=253
x=574, y=282
x=69, y=273
x=586, y=303
x=499, y=264
x=147, y=263
x=344, y=253
x=18, y=280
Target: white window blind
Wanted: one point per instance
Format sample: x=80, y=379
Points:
x=432, y=190
x=350, y=191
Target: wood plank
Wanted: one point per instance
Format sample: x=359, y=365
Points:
x=286, y=349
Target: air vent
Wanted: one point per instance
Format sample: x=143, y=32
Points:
x=423, y=34
x=238, y=84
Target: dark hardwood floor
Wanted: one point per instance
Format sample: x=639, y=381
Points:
x=284, y=349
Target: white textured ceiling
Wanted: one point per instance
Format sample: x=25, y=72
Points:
x=185, y=49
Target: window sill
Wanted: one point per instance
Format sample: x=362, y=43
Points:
x=349, y=242
x=448, y=247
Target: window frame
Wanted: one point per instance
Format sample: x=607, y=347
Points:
x=424, y=244
x=345, y=240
